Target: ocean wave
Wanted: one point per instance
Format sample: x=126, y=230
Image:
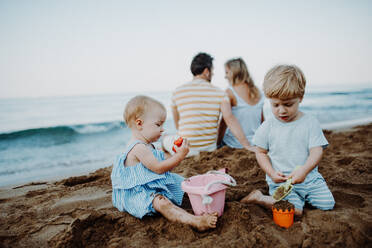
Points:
x=323, y=93
x=97, y=128
x=347, y=106
x=69, y=130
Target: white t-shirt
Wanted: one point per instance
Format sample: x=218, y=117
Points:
x=288, y=144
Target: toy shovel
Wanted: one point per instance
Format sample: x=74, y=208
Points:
x=283, y=190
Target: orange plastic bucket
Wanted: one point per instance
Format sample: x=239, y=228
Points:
x=283, y=218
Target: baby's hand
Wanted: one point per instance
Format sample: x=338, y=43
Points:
x=278, y=177
x=184, y=148
x=298, y=175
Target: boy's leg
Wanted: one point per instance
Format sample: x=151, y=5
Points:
x=257, y=197
x=174, y=213
x=267, y=201
x=297, y=201
x=319, y=195
x=294, y=197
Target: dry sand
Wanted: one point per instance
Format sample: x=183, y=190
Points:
x=77, y=212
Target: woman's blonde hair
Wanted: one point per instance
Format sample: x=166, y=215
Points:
x=284, y=82
x=138, y=106
x=240, y=73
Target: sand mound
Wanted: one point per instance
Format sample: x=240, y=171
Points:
x=77, y=212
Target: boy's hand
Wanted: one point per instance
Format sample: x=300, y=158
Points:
x=278, y=177
x=184, y=148
x=298, y=175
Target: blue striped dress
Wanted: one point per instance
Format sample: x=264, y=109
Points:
x=135, y=187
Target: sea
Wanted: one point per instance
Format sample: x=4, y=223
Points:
x=50, y=138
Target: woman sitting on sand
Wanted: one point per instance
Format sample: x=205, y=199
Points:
x=141, y=181
x=245, y=104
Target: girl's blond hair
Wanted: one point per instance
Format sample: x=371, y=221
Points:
x=240, y=73
x=284, y=82
x=138, y=106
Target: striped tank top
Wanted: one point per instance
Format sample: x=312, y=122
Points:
x=199, y=106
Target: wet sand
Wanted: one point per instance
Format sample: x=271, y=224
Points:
x=77, y=212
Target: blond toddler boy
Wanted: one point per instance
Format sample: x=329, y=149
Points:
x=290, y=139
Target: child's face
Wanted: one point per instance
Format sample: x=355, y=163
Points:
x=152, y=127
x=285, y=110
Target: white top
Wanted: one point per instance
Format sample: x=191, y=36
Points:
x=288, y=144
x=249, y=118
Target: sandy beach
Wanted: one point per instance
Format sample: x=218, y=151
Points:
x=77, y=212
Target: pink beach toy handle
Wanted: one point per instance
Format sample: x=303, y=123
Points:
x=231, y=182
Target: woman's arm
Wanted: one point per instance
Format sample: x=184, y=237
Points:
x=234, y=124
x=221, y=131
x=147, y=158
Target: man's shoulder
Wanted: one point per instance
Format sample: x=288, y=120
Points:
x=213, y=88
x=183, y=86
x=197, y=86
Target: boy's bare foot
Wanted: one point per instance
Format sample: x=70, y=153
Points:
x=206, y=221
x=253, y=197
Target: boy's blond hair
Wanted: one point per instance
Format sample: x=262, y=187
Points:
x=284, y=82
x=138, y=106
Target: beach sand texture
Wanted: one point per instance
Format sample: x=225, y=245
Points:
x=77, y=212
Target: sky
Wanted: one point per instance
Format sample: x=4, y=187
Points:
x=62, y=48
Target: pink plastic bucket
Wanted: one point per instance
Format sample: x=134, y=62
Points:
x=207, y=192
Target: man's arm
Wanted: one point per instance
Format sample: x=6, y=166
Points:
x=176, y=116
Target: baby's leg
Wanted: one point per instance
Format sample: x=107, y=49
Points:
x=177, y=214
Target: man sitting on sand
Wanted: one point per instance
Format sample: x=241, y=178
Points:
x=196, y=108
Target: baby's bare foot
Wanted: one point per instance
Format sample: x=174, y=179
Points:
x=253, y=197
x=206, y=221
